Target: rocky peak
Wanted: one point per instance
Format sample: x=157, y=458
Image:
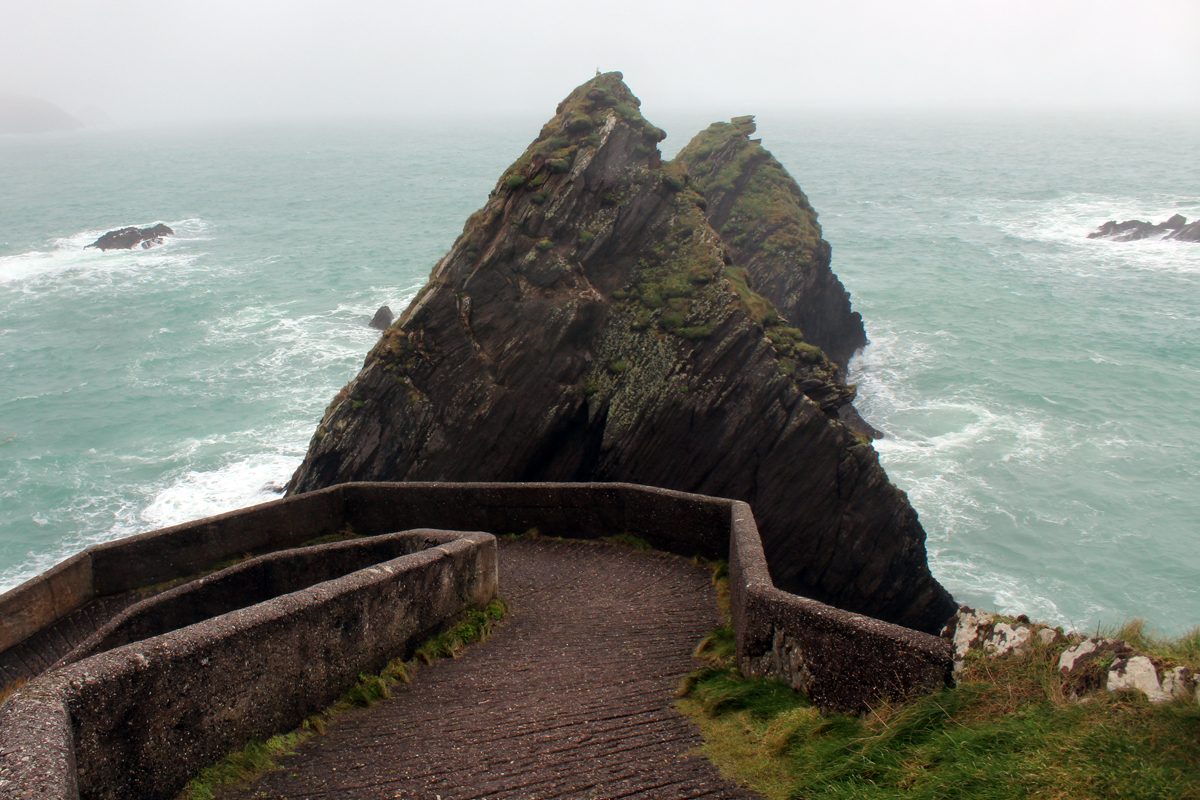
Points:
x=591, y=324
x=773, y=234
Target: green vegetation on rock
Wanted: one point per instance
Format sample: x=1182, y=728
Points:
x=768, y=212
x=576, y=126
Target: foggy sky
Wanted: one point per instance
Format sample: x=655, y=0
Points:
x=169, y=60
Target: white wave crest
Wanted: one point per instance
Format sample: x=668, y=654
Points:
x=202, y=493
x=1066, y=223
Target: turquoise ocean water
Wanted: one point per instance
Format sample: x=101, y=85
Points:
x=1039, y=391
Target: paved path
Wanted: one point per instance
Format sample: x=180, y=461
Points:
x=570, y=698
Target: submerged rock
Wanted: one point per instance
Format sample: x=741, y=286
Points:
x=592, y=322
x=382, y=319
x=128, y=238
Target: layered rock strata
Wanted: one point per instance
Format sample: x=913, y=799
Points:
x=591, y=324
x=772, y=234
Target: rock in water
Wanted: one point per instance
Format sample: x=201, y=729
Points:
x=1132, y=230
x=772, y=234
x=1187, y=233
x=590, y=324
x=382, y=319
x=128, y=238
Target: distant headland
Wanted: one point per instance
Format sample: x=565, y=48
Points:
x=22, y=114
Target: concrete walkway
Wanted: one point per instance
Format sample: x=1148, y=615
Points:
x=570, y=698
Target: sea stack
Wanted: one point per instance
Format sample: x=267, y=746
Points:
x=607, y=316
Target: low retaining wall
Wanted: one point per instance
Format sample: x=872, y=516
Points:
x=135, y=720
x=169, y=553
x=687, y=524
x=140, y=720
x=842, y=661
x=250, y=582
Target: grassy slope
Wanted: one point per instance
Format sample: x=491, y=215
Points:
x=1006, y=731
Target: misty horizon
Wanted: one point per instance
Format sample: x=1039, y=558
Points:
x=149, y=64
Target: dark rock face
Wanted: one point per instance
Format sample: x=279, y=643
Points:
x=590, y=324
x=772, y=234
x=128, y=238
x=1176, y=227
x=382, y=319
x=1188, y=233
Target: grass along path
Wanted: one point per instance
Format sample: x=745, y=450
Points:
x=261, y=756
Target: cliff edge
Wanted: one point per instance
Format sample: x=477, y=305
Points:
x=593, y=323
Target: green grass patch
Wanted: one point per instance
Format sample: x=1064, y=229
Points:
x=1004, y=731
x=245, y=765
x=259, y=756
x=475, y=626
x=344, y=534
x=630, y=540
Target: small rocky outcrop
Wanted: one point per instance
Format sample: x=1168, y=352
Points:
x=1085, y=664
x=128, y=238
x=979, y=631
x=592, y=324
x=1177, y=227
x=382, y=319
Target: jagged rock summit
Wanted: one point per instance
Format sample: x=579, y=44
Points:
x=772, y=234
x=593, y=322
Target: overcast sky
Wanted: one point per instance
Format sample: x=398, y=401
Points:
x=150, y=60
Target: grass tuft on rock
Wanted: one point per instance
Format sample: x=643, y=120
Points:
x=630, y=540
x=474, y=627
x=1006, y=730
x=246, y=764
x=1183, y=650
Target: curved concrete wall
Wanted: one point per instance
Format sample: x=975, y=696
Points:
x=75, y=717
x=141, y=719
